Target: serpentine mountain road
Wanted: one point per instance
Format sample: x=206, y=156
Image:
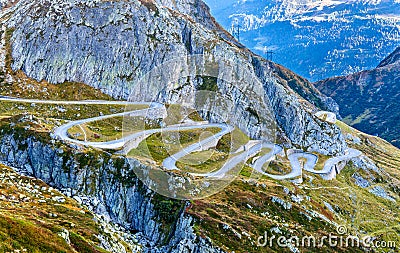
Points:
x=293, y=158
x=253, y=150
x=158, y=110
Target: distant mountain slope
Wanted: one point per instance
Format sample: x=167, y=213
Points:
x=317, y=39
x=370, y=100
x=392, y=58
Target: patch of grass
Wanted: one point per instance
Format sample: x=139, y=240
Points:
x=246, y=203
x=233, y=141
x=366, y=115
x=23, y=127
x=345, y=128
x=162, y=145
x=59, y=112
x=177, y=114
x=278, y=167
x=195, y=116
x=112, y=128
x=81, y=245
x=203, y=162
x=321, y=161
x=26, y=223
x=17, y=234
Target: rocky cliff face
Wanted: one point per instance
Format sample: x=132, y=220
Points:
x=368, y=100
x=110, y=188
x=110, y=44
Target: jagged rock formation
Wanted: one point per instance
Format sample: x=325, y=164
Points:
x=23, y=198
x=110, y=189
x=368, y=100
x=109, y=44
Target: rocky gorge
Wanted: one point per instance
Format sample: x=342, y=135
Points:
x=110, y=189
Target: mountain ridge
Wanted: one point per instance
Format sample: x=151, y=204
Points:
x=374, y=109
x=317, y=39
x=393, y=58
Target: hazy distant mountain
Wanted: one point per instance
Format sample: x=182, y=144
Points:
x=317, y=39
x=370, y=100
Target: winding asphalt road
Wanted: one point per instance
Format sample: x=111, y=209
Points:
x=62, y=131
x=252, y=148
x=294, y=159
x=170, y=162
x=329, y=172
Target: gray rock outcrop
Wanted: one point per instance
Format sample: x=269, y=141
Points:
x=110, y=188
